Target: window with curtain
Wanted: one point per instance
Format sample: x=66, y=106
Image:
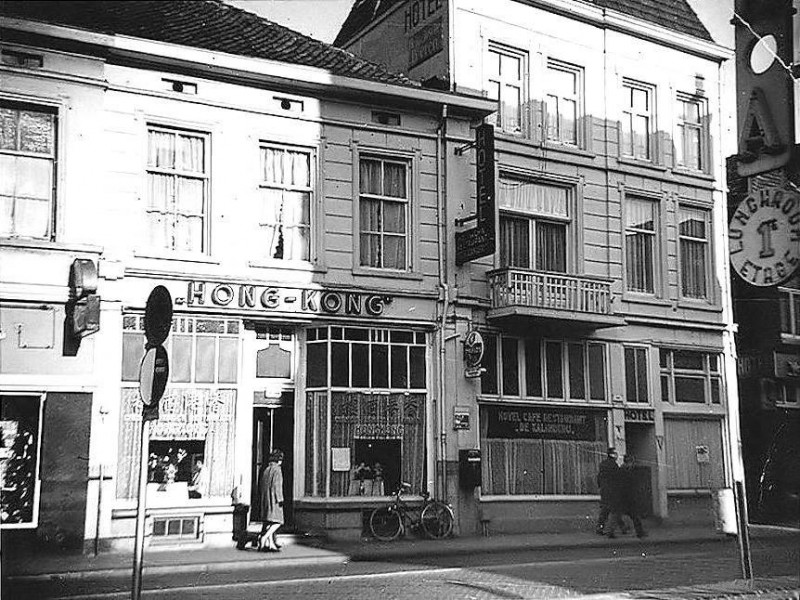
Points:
x=638, y=116
x=641, y=244
x=790, y=312
x=177, y=199
x=690, y=145
x=636, y=375
x=689, y=376
x=365, y=404
x=563, y=102
x=534, y=223
x=693, y=234
x=27, y=170
x=384, y=212
x=285, y=206
x=505, y=83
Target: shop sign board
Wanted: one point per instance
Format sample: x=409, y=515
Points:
x=480, y=241
x=474, y=347
x=461, y=417
x=534, y=422
x=640, y=415
x=764, y=234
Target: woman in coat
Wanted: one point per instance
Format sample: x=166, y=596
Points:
x=271, y=491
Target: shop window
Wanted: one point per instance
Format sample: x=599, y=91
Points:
x=506, y=74
x=641, y=244
x=28, y=165
x=563, y=102
x=173, y=461
x=530, y=450
x=688, y=376
x=285, y=206
x=177, y=189
x=694, y=236
x=20, y=445
x=638, y=120
x=636, y=375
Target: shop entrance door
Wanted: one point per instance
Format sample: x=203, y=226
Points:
x=640, y=442
x=273, y=429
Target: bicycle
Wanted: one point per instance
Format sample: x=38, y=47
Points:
x=434, y=519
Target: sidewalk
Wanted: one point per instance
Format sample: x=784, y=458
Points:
x=298, y=551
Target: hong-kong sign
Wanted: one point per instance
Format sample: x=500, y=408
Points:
x=765, y=237
x=287, y=300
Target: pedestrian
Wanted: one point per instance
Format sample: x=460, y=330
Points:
x=608, y=484
x=271, y=492
x=625, y=501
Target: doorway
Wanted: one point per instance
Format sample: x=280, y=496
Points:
x=640, y=442
x=273, y=428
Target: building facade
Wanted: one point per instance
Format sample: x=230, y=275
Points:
x=598, y=279
x=765, y=253
x=288, y=195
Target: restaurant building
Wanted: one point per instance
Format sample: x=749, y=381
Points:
x=288, y=195
x=591, y=272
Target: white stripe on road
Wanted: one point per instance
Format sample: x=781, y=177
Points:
x=369, y=576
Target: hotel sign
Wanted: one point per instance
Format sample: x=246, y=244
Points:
x=281, y=299
x=764, y=236
x=480, y=240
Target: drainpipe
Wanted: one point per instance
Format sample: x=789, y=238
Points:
x=441, y=215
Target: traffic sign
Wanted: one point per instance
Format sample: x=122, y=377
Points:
x=158, y=316
x=153, y=375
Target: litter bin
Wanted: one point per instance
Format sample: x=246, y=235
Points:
x=725, y=512
x=240, y=518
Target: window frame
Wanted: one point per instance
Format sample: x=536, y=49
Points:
x=312, y=226
x=639, y=376
x=630, y=113
x=790, y=298
x=710, y=295
x=56, y=110
x=681, y=125
x=670, y=372
x=578, y=98
x=498, y=50
x=156, y=125
x=629, y=195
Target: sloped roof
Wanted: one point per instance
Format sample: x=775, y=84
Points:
x=208, y=24
x=676, y=15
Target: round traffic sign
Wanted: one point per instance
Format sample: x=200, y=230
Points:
x=158, y=316
x=153, y=375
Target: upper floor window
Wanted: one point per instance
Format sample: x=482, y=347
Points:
x=690, y=376
x=636, y=374
x=790, y=312
x=534, y=223
x=27, y=171
x=285, y=207
x=638, y=116
x=384, y=213
x=177, y=186
x=563, y=102
x=691, y=139
x=693, y=234
x=505, y=83
x=641, y=244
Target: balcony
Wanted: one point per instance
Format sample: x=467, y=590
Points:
x=520, y=297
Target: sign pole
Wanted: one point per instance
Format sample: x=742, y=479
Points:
x=136, y=588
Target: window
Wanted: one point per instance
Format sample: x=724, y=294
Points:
x=638, y=115
x=384, y=213
x=553, y=370
x=641, y=244
x=563, y=102
x=789, y=395
x=365, y=404
x=691, y=139
x=176, y=528
x=27, y=171
x=285, y=207
x=534, y=221
x=20, y=445
x=693, y=234
x=688, y=376
x=790, y=312
x=177, y=186
x=505, y=83
x=636, y=375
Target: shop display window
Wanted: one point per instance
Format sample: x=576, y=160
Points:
x=20, y=441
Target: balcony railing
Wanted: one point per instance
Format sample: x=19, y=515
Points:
x=550, y=291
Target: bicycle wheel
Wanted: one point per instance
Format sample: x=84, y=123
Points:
x=385, y=523
x=437, y=520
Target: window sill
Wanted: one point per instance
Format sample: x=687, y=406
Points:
x=683, y=172
x=644, y=164
x=714, y=410
x=176, y=256
x=350, y=502
x=407, y=275
x=286, y=265
x=640, y=298
x=705, y=305
x=568, y=149
x=788, y=338
x=539, y=498
x=33, y=244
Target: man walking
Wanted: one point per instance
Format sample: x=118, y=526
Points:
x=625, y=501
x=607, y=481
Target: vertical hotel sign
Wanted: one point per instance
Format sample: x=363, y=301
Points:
x=480, y=240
